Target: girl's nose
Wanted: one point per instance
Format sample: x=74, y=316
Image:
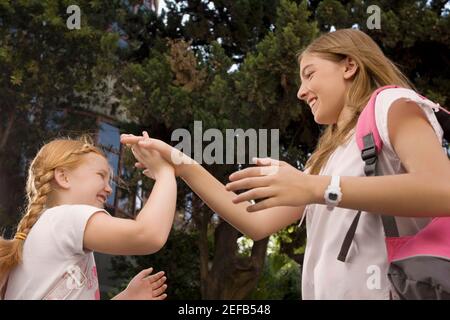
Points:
x=108, y=189
x=301, y=94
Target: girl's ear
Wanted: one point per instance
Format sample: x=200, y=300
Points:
x=350, y=67
x=61, y=178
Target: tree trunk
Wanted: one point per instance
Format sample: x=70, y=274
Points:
x=201, y=218
x=231, y=276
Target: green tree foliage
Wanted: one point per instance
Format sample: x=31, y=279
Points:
x=45, y=67
x=240, y=25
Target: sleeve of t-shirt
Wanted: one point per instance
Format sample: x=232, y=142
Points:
x=68, y=225
x=384, y=101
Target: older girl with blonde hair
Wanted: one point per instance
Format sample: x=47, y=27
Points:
x=339, y=71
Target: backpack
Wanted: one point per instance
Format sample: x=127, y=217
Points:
x=419, y=265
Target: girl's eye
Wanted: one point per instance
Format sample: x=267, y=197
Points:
x=101, y=175
x=309, y=75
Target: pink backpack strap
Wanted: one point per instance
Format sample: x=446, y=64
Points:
x=367, y=135
x=370, y=144
x=367, y=124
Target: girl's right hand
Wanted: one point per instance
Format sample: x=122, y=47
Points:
x=151, y=161
x=177, y=159
x=145, y=286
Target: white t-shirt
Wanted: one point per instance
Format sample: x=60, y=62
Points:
x=364, y=274
x=55, y=266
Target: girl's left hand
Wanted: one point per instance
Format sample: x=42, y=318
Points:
x=145, y=286
x=277, y=182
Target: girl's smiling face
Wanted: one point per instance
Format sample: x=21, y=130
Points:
x=324, y=84
x=88, y=183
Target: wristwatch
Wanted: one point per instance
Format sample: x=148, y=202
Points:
x=333, y=194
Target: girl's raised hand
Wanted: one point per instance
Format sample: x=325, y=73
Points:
x=172, y=155
x=277, y=182
x=150, y=160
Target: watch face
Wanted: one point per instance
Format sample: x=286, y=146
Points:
x=332, y=196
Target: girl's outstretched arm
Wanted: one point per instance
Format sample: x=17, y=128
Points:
x=256, y=225
x=149, y=231
x=424, y=191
